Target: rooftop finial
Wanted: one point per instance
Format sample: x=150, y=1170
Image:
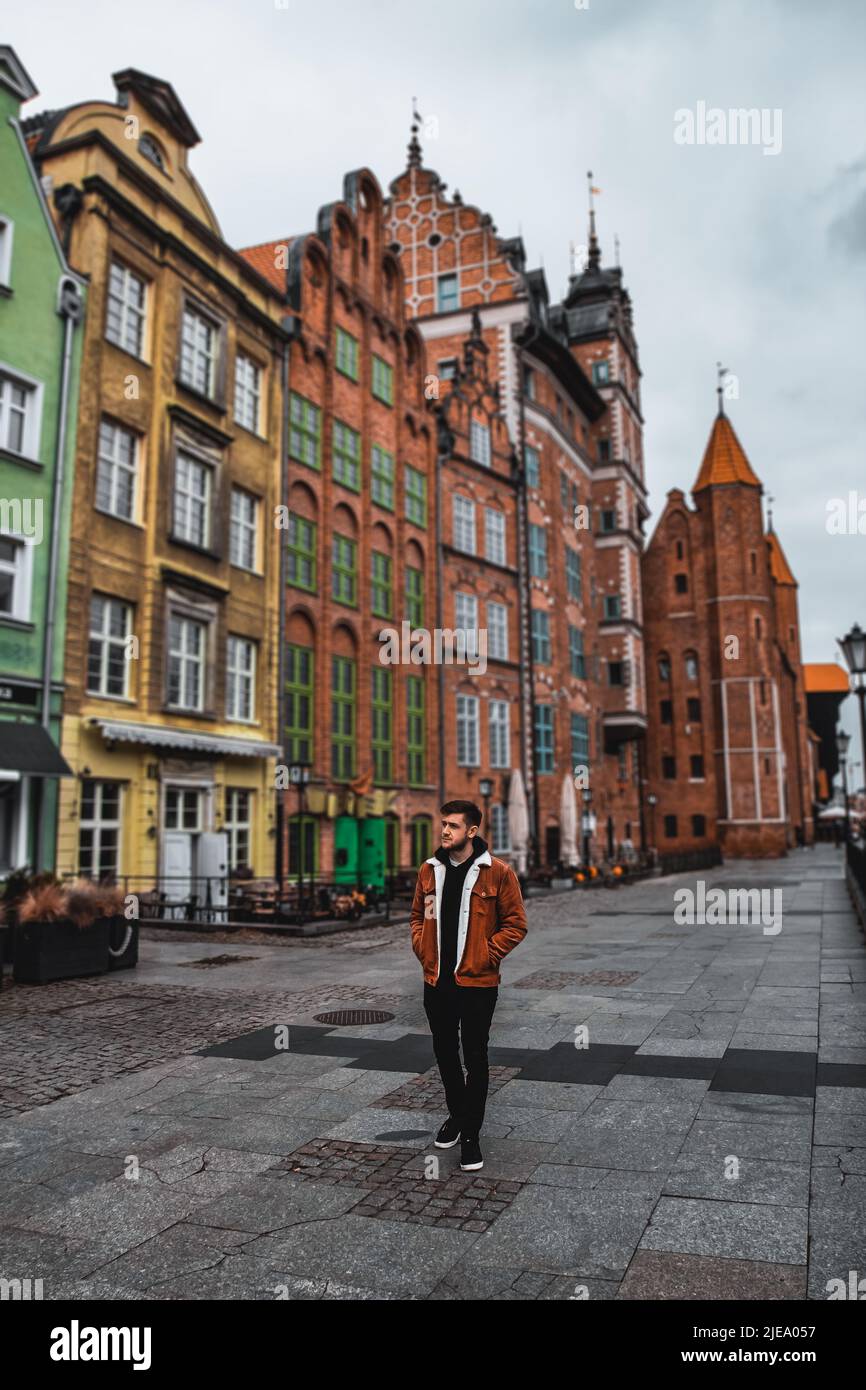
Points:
x=414, y=145
x=721, y=373
x=594, y=257
x=770, y=500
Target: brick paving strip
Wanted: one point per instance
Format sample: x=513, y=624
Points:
x=426, y=1092
x=563, y=979
x=395, y=1189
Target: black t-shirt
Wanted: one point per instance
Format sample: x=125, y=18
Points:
x=452, y=894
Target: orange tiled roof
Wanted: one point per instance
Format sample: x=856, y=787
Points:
x=263, y=258
x=823, y=676
x=779, y=567
x=724, y=459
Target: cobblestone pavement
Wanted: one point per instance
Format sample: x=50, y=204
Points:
x=674, y=1112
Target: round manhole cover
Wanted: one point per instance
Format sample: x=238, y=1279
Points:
x=343, y=1018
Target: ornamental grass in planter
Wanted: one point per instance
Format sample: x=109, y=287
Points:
x=60, y=934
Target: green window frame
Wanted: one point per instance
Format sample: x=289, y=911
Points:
x=416, y=496
x=543, y=726
x=346, y=456
x=414, y=596
x=540, y=632
x=303, y=838
x=421, y=840
x=416, y=731
x=305, y=431
x=383, y=380
x=344, y=570
x=573, y=575
x=576, y=657
x=533, y=466
x=383, y=723
x=346, y=353
x=381, y=589
x=299, y=703
x=343, y=717
x=382, y=477
x=537, y=551
x=579, y=740
x=301, y=566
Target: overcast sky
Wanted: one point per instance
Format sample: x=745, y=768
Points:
x=755, y=259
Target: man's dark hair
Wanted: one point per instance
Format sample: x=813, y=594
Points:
x=467, y=809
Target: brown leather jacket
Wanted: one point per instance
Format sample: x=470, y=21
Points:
x=492, y=920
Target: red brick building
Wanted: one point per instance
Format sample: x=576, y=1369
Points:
x=728, y=754
x=568, y=382
x=359, y=557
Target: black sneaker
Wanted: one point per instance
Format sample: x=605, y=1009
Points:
x=470, y=1154
x=448, y=1134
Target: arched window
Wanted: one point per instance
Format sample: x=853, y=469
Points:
x=664, y=667
x=150, y=149
x=691, y=665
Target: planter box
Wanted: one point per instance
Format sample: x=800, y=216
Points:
x=122, y=943
x=46, y=951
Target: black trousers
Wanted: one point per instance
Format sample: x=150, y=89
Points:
x=454, y=1009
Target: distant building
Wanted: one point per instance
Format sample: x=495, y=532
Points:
x=41, y=313
x=173, y=588
x=728, y=754
x=360, y=555
x=826, y=685
x=567, y=378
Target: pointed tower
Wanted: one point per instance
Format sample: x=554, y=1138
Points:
x=750, y=760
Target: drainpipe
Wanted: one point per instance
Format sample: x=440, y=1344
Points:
x=525, y=614
x=444, y=449
x=70, y=307
x=281, y=617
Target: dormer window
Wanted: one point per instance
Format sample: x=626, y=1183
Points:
x=151, y=150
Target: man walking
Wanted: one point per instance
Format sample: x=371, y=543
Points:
x=467, y=915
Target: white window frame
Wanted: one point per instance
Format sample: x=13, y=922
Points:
x=233, y=825
x=499, y=733
x=132, y=316
x=178, y=793
x=114, y=466
x=99, y=823
x=243, y=529
x=463, y=522
x=182, y=524
x=240, y=679
x=466, y=621
x=21, y=569
x=468, y=741
x=500, y=830
x=497, y=631
x=107, y=641
x=479, y=443
x=7, y=234
x=248, y=390
x=194, y=352
x=494, y=536
x=32, y=432
x=188, y=660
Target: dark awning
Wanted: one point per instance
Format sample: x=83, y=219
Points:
x=30, y=750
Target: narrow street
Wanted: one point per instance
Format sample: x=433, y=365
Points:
x=190, y=1130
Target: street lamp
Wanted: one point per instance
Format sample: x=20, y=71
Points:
x=842, y=742
x=652, y=802
x=854, y=651
x=299, y=773
x=587, y=823
x=485, y=786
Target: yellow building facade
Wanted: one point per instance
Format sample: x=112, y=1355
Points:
x=172, y=654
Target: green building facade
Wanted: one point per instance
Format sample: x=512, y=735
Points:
x=41, y=311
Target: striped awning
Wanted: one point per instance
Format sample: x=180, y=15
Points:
x=185, y=740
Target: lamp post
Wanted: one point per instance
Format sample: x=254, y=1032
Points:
x=842, y=742
x=485, y=787
x=652, y=802
x=299, y=773
x=854, y=651
x=587, y=824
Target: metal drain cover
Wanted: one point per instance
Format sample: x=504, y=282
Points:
x=344, y=1018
